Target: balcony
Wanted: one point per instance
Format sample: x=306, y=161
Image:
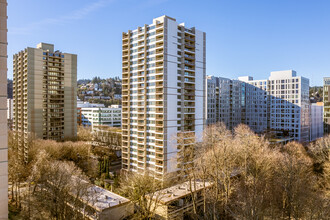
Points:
x=189, y=63
x=159, y=31
x=189, y=74
x=159, y=78
x=189, y=46
x=159, y=38
x=159, y=84
x=159, y=58
x=159, y=156
x=189, y=38
x=189, y=51
x=159, y=45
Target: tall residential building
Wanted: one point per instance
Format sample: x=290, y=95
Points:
x=3, y=113
x=326, y=104
x=279, y=104
x=44, y=92
x=289, y=104
x=316, y=128
x=162, y=94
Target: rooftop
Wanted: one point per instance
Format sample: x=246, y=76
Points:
x=100, y=198
x=178, y=191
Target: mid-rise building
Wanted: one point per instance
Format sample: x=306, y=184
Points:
x=95, y=116
x=316, y=118
x=279, y=104
x=289, y=104
x=223, y=103
x=254, y=103
x=162, y=94
x=3, y=113
x=44, y=92
x=326, y=105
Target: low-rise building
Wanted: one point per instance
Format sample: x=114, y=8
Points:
x=96, y=203
x=175, y=201
x=316, y=121
x=92, y=116
x=104, y=205
x=81, y=104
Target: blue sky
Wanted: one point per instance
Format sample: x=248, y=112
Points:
x=244, y=37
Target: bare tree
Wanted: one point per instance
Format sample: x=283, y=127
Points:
x=294, y=181
x=58, y=187
x=222, y=167
x=142, y=190
x=84, y=133
x=256, y=166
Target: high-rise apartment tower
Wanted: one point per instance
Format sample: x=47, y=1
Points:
x=163, y=94
x=44, y=93
x=3, y=113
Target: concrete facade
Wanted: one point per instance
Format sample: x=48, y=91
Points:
x=279, y=104
x=103, y=204
x=44, y=92
x=3, y=113
x=175, y=201
x=95, y=116
x=316, y=121
x=10, y=107
x=223, y=103
x=163, y=93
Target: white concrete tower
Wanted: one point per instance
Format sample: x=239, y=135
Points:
x=163, y=93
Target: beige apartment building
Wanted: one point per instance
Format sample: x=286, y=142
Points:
x=44, y=93
x=3, y=112
x=163, y=94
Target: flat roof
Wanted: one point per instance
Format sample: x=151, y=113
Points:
x=180, y=190
x=101, y=199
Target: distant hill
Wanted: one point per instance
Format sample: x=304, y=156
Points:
x=96, y=90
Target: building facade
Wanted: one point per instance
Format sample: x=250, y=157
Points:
x=3, y=113
x=176, y=201
x=163, y=78
x=316, y=116
x=279, y=104
x=289, y=104
x=223, y=103
x=10, y=107
x=254, y=108
x=10, y=113
x=95, y=116
x=44, y=92
x=326, y=105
